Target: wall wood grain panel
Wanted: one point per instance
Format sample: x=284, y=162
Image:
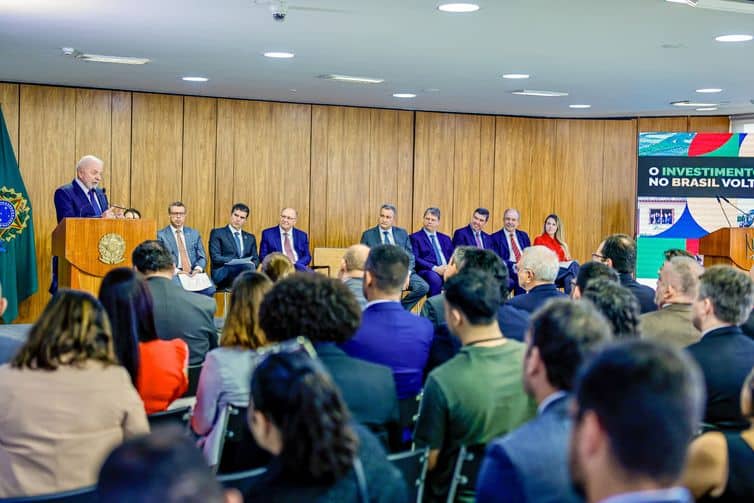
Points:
x=663, y=124
x=224, y=160
x=9, y=104
x=120, y=157
x=199, y=150
x=486, y=173
x=319, y=178
x=93, y=129
x=715, y=124
x=619, y=178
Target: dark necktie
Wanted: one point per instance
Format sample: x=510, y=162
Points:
x=238, y=243
x=385, y=239
x=436, y=247
x=95, y=203
x=478, y=238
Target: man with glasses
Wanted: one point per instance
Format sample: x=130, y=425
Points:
x=619, y=252
x=285, y=238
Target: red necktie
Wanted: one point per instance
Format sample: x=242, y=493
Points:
x=514, y=247
x=288, y=248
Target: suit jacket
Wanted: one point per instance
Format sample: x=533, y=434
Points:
x=725, y=356
x=424, y=252
x=465, y=237
x=434, y=309
x=748, y=326
x=536, y=297
x=185, y=315
x=271, y=243
x=501, y=244
x=513, y=322
x=222, y=248
x=356, y=285
x=644, y=294
x=72, y=202
x=671, y=324
x=373, y=237
x=391, y=336
x=194, y=246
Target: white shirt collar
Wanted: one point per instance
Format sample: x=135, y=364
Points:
x=378, y=301
x=550, y=398
x=83, y=187
x=233, y=231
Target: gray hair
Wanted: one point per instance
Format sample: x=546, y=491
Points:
x=730, y=291
x=459, y=253
x=685, y=275
x=541, y=261
x=432, y=211
x=88, y=159
x=511, y=209
x=388, y=206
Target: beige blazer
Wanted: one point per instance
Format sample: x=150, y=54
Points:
x=57, y=427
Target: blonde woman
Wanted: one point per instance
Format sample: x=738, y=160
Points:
x=552, y=237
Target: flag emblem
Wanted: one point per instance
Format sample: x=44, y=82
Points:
x=14, y=214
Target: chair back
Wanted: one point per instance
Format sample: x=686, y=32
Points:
x=243, y=481
x=413, y=467
x=465, y=472
x=408, y=409
x=238, y=449
x=193, y=379
x=179, y=416
x=84, y=495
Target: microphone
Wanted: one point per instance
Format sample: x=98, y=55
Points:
x=748, y=218
x=723, y=210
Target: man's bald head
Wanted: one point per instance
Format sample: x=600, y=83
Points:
x=355, y=258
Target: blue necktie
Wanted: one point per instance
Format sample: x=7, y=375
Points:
x=438, y=253
x=238, y=243
x=95, y=203
x=385, y=239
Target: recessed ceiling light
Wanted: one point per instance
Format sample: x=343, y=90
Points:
x=690, y=3
x=709, y=90
x=532, y=92
x=516, y=76
x=431, y=90
x=706, y=109
x=458, y=7
x=687, y=103
x=121, y=60
x=733, y=38
x=195, y=79
x=278, y=55
x=351, y=78
x=580, y=106
x=404, y=95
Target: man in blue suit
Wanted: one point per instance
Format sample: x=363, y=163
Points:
x=530, y=464
x=184, y=244
x=473, y=234
x=510, y=243
x=385, y=233
x=286, y=239
x=389, y=335
x=432, y=251
x=230, y=243
x=537, y=271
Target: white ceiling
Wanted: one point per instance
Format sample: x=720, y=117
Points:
x=606, y=53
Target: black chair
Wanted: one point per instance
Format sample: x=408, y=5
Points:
x=193, y=380
x=85, y=495
x=179, y=417
x=465, y=472
x=241, y=480
x=413, y=467
x=238, y=449
x=408, y=409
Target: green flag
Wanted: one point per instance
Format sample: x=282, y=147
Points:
x=18, y=256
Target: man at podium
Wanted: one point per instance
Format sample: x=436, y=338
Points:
x=82, y=197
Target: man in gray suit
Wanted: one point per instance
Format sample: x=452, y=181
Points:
x=385, y=233
x=184, y=244
x=177, y=313
x=351, y=271
x=530, y=463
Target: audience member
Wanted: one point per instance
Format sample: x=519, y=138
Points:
x=163, y=467
x=10, y=340
x=617, y=303
x=510, y=242
x=473, y=234
x=432, y=250
x=226, y=372
x=178, y=314
x=537, y=271
x=748, y=326
x=434, y=307
x=185, y=245
x=157, y=368
x=478, y=394
x=619, y=252
x=677, y=288
x=552, y=237
x=676, y=252
x=229, y=243
x=724, y=353
x=286, y=239
x=637, y=406
x=389, y=335
x=131, y=214
x=351, y=271
x=277, y=266
x=66, y=401
x=720, y=464
x=297, y=414
x=531, y=463
x=386, y=233
x=588, y=272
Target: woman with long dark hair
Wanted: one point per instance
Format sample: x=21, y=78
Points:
x=296, y=413
x=157, y=367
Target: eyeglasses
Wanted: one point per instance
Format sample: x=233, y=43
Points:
x=177, y=214
x=597, y=256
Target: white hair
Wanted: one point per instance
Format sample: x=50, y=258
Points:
x=88, y=159
x=684, y=277
x=541, y=261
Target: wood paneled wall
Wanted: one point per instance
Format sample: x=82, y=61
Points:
x=335, y=165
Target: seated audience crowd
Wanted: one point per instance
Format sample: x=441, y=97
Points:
x=599, y=390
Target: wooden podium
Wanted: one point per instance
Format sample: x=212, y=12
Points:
x=729, y=246
x=87, y=248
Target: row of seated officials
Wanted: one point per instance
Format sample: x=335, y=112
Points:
x=78, y=373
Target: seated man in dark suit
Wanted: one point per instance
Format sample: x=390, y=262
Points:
x=591, y=271
x=178, y=314
x=389, y=335
x=619, y=252
x=510, y=243
x=617, y=304
x=385, y=233
x=531, y=463
x=286, y=239
x=230, y=243
x=432, y=251
x=537, y=271
x=724, y=353
x=473, y=234
x=324, y=310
